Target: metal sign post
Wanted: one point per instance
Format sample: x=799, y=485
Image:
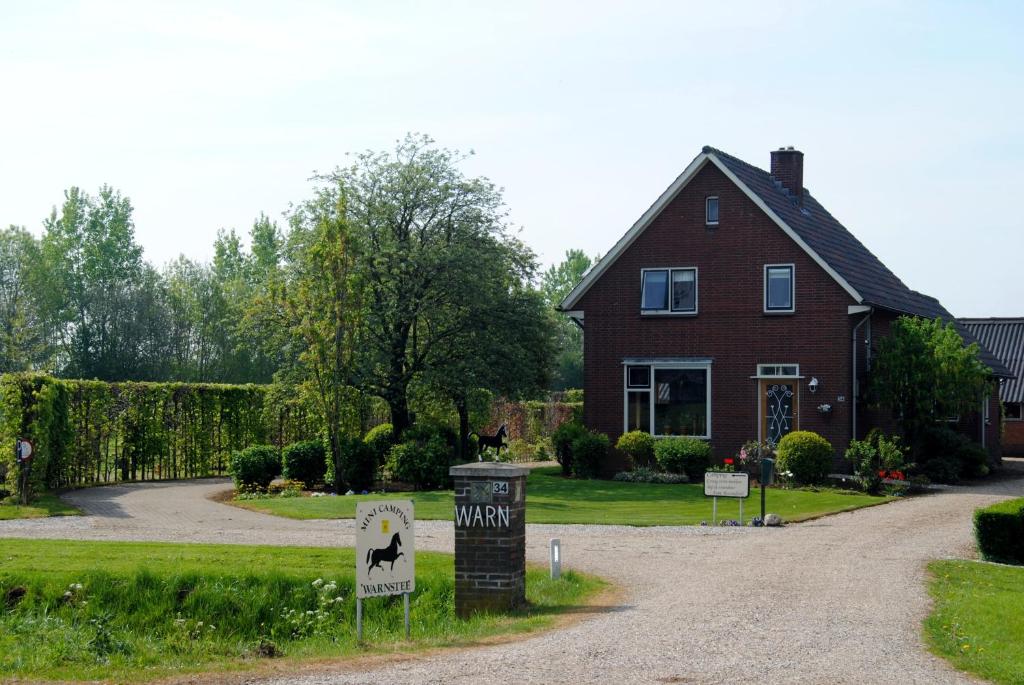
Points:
x=23, y=455
x=767, y=473
x=385, y=554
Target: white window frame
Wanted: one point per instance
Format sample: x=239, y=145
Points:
x=772, y=371
x=792, y=289
x=707, y=213
x=1020, y=417
x=705, y=366
x=670, y=311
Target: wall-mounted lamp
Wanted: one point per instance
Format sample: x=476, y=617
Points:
x=813, y=385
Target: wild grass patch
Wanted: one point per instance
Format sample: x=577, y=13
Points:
x=136, y=611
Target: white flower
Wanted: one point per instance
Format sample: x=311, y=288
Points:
x=338, y=599
x=318, y=582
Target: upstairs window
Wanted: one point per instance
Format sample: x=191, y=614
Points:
x=1012, y=411
x=669, y=291
x=778, y=289
x=711, y=211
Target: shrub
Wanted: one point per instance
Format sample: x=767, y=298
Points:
x=589, y=452
x=683, y=455
x=305, y=462
x=424, y=456
x=358, y=467
x=380, y=439
x=874, y=457
x=941, y=442
x=942, y=470
x=999, y=530
x=644, y=474
x=806, y=455
x=255, y=467
x=638, y=446
x=562, y=440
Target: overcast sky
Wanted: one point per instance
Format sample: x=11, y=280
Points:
x=206, y=114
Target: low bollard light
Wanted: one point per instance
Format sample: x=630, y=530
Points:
x=556, y=558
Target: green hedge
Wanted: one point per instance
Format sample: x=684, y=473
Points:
x=87, y=432
x=1000, y=531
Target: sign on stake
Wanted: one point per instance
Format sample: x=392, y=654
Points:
x=385, y=554
x=726, y=484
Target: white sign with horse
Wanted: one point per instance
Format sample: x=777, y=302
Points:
x=385, y=548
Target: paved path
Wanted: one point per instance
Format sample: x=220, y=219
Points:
x=835, y=600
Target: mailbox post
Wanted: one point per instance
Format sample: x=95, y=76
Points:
x=767, y=474
x=490, y=537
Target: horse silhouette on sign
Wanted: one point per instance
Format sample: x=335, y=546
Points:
x=497, y=441
x=390, y=553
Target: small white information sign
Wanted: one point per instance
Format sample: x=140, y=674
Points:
x=385, y=548
x=726, y=484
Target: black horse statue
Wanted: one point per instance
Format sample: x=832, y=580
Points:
x=497, y=441
x=389, y=553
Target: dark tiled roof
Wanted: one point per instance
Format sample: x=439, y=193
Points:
x=877, y=285
x=1005, y=337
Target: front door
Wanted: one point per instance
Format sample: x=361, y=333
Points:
x=779, y=408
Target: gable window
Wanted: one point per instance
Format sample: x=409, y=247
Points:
x=669, y=291
x=675, y=401
x=778, y=289
x=711, y=210
x=1012, y=411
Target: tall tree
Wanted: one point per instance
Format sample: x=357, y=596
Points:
x=556, y=283
x=23, y=336
x=319, y=306
x=507, y=344
x=423, y=232
x=91, y=252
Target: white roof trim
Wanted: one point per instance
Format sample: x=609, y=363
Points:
x=591, y=276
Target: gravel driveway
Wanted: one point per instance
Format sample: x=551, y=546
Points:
x=837, y=600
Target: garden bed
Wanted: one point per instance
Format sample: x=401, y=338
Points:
x=139, y=611
x=552, y=498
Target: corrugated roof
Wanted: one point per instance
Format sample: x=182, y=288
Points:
x=876, y=284
x=1005, y=337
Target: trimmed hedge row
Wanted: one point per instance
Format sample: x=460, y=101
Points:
x=1000, y=531
x=88, y=432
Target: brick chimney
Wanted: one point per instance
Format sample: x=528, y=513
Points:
x=788, y=170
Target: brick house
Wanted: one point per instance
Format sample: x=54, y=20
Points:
x=1005, y=338
x=737, y=308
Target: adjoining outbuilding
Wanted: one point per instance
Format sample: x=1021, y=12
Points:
x=1005, y=337
x=738, y=308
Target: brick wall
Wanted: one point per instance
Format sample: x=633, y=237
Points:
x=730, y=327
x=1013, y=438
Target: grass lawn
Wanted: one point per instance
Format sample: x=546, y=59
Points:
x=138, y=611
x=550, y=498
x=43, y=505
x=977, y=622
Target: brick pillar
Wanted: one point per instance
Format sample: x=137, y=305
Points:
x=490, y=537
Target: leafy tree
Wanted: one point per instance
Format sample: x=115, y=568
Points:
x=924, y=373
x=506, y=346
x=91, y=254
x=319, y=307
x=425, y=236
x=23, y=340
x=557, y=282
